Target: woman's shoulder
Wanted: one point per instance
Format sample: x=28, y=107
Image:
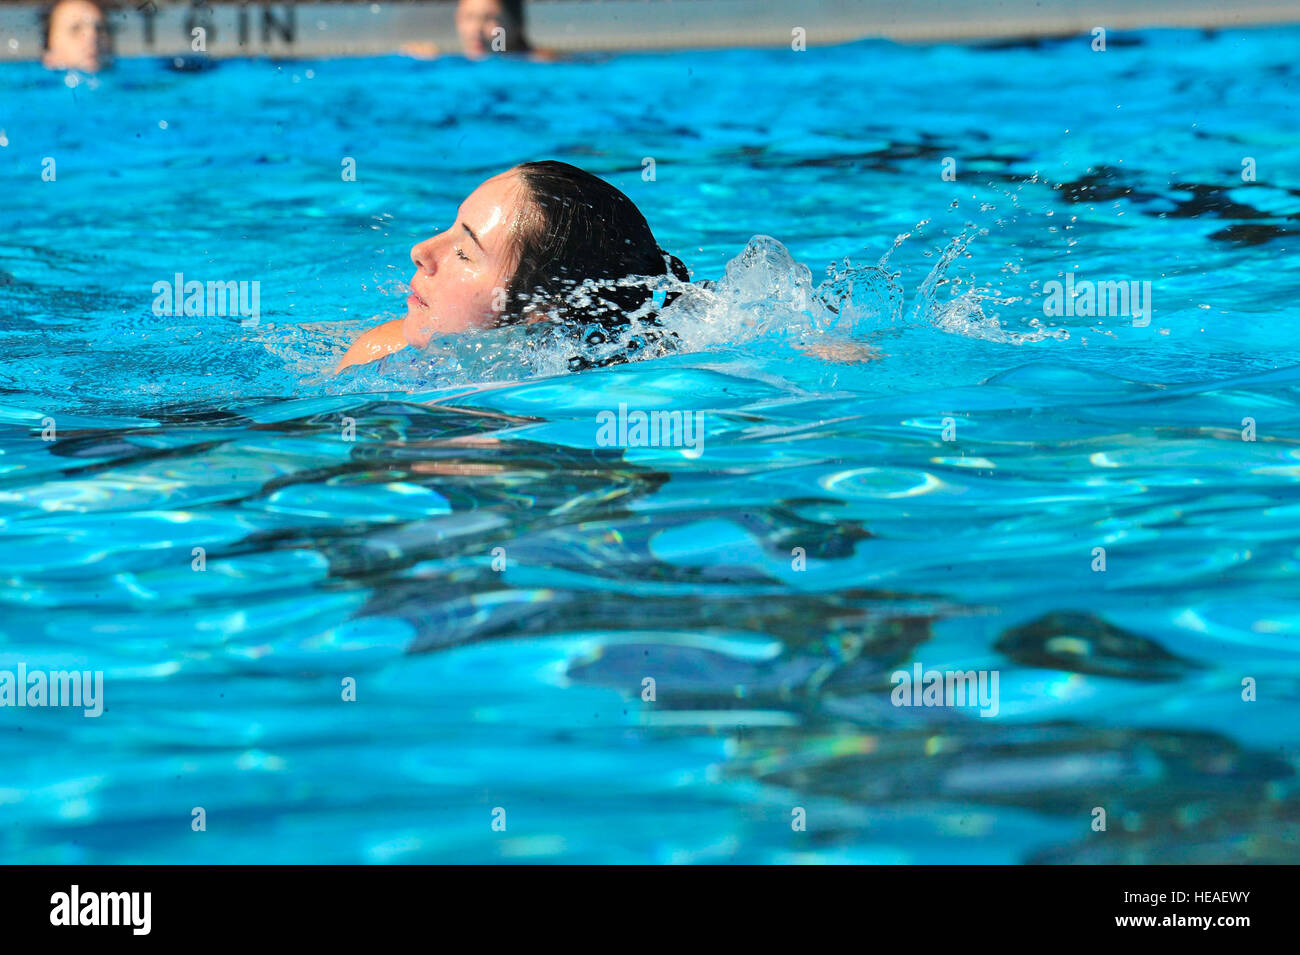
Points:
x=374, y=344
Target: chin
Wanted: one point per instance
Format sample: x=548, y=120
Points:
x=415, y=328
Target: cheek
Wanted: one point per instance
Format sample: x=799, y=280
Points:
x=468, y=301
x=485, y=296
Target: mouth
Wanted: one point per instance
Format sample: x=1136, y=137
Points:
x=414, y=298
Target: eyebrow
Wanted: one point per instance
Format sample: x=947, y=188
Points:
x=472, y=236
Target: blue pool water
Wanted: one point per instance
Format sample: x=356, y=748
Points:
x=947, y=498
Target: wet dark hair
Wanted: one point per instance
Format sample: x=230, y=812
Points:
x=512, y=20
x=574, y=227
x=516, y=39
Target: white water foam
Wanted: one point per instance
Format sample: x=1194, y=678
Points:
x=764, y=295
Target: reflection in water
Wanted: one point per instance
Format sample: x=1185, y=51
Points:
x=450, y=519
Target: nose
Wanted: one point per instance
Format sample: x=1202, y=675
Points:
x=424, y=257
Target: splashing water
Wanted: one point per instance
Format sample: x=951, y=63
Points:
x=764, y=295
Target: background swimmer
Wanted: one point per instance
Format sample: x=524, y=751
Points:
x=480, y=22
x=76, y=38
x=485, y=27
x=521, y=243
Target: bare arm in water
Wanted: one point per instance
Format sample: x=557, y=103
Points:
x=375, y=344
x=845, y=353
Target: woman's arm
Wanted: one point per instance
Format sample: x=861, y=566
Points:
x=375, y=344
x=845, y=353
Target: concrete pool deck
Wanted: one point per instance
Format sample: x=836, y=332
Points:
x=316, y=29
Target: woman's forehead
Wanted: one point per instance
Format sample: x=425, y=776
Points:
x=501, y=186
x=491, y=208
x=75, y=10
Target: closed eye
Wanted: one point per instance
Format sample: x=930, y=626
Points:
x=462, y=255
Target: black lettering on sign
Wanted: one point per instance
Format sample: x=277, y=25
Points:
x=286, y=28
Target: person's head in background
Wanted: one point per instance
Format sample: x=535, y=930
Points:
x=76, y=37
x=491, y=26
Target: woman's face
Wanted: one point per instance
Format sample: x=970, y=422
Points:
x=475, y=21
x=461, y=275
x=78, y=38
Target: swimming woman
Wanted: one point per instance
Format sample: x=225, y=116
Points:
x=519, y=252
